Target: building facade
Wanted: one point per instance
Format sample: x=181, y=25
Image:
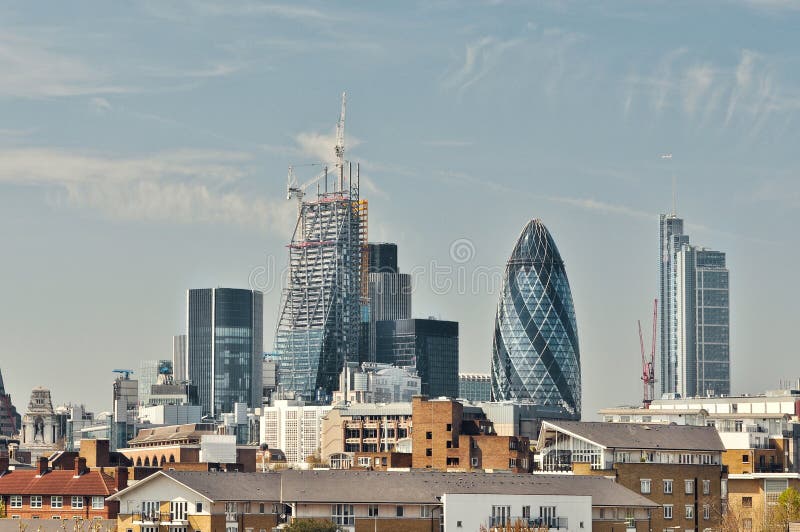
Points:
x=10, y=420
x=702, y=317
x=377, y=383
x=179, y=358
x=671, y=239
x=475, y=386
x=225, y=347
x=429, y=345
x=383, y=257
x=294, y=428
x=535, y=355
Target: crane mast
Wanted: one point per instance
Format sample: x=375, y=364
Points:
x=340, y=144
x=648, y=363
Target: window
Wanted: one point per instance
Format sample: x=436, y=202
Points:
x=689, y=511
x=198, y=507
x=429, y=435
x=449, y=427
x=548, y=516
x=512, y=462
x=77, y=501
x=98, y=502
x=745, y=458
x=56, y=501
x=342, y=514
x=474, y=462
x=747, y=524
x=688, y=486
x=747, y=502
x=261, y=508
x=644, y=485
x=15, y=501
x=667, y=511
x=668, y=487
x=449, y=444
x=36, y=501
x=363, y=461
x=424, y=511
x=399, y=511
x=706, y=487
x=178, y=510
x=706, y=512
x=501, y=515
x=428, y=452
x=526, y=512
x=372, y=510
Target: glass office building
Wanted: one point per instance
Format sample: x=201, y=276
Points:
x=535, y=356
x=427, y=344
x=225, y=347
x=671, y=239
x=475, y=386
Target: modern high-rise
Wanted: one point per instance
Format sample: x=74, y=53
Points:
x=671, y=240
x=702, y=322
x=428, y=344
x=225, y=347
x=535, y=355
x=695, y=321
x=149, y=370
x=179, y=358
x=389, y=293
x=475, y=386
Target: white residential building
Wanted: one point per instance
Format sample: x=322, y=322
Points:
x=294, y=428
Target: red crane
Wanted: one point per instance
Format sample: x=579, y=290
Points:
x=649, y=366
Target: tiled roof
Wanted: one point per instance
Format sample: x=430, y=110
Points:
x=644, y=436
x=172, y=433
x=56, y=483
x=231, y=486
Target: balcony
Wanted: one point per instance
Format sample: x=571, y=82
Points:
x=526, y=524
x=146, y=518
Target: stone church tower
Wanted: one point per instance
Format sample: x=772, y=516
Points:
x=40, y=424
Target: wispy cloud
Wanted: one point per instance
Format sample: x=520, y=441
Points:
x=181, y=186
x=698, y=88
x=177, y=9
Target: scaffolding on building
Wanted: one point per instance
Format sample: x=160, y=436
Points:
x=321, y=306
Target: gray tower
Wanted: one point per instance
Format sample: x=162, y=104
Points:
x=670, y=242
x=225, y=347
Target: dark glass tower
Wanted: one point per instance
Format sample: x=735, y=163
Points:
x=430, y=345
x=382, y=257
x=535, y=355
x=225, y=347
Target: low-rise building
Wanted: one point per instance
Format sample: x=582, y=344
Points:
x=42, y=493
x=678, y=467
x=364, y=428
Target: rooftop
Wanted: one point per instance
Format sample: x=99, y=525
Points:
x=639, y=436
x=63, y=482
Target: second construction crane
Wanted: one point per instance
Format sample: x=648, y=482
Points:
x=648, y=363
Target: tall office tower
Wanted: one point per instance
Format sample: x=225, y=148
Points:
x=125, y=398
x=429, y=344
x=179, y=358
x=535, y=356
x=9, y=418
x=382, y=257
x=389, y=293
x=475, y=386
x=671, y=241
x=702, y=322
x=225, y=347
x=323, y=303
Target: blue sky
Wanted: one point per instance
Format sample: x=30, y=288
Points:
x=144, y=147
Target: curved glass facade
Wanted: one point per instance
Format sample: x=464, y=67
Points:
x=535, y=355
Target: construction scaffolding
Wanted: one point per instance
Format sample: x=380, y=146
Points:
x=319, y=325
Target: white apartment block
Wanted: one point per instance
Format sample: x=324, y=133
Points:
x=294, y=428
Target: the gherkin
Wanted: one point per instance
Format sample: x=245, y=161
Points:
x=535, y=356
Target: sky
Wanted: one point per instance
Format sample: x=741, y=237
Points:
x=144, y=149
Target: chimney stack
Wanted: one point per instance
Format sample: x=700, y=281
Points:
x=80, y=466
x=3, y=463
x=42, y=466
x=121, y=478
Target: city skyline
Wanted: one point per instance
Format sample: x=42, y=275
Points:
x=121, y=180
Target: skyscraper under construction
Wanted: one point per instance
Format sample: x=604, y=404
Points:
x=321, y=305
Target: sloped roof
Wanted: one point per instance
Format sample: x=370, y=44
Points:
x=64, y=482
x=644, y=436
x=172, y=433
x=218, y=486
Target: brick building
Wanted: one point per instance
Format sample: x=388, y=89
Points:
x=678, y=467
x=448, y=435
x=42, y=493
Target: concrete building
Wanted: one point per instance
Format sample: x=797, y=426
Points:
x=71, y=494
x=377, y=383
x=677, y=467
x=430, y=345
x=125, y=399
x=42, y=428
x=269, y=377
x=475, y=387
x=175, y=414
x=179, y=358
x=294, y=428
x=148, y=376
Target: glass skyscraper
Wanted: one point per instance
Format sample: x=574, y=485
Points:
x=702, y=322
x=225, y=347
x=671, y=240
x=535, y=355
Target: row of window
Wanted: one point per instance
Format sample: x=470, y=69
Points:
x=57, y=501
x=344, y=514
x=688, y=486
x=688, y=511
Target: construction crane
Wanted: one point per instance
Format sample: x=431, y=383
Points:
x=339, y=149
x=648, y=365
x=126, y=373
